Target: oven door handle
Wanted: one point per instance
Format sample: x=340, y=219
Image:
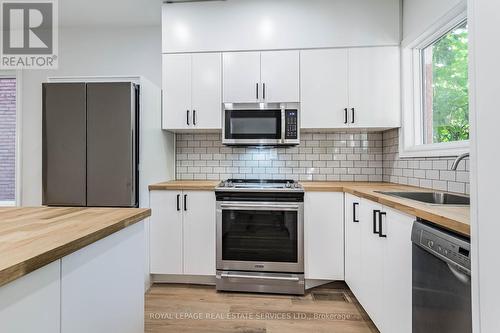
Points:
x=242, y=276
x=242, y=206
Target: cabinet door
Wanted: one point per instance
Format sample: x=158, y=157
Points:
x=176, y=91
x=324, y=235
x=166, y=232
x=32, y=303
x=241, y=72
x=371, y=293
x=374, y=90
x=398, y=272
x=206, y=90
x=199, y=232
x=280, y=76
x=323, y=88
x=353, y=242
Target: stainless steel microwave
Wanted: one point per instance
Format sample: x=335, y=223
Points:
x=261, y=124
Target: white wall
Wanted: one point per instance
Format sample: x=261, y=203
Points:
x=484, y=73
x=284, y=24
x=419, y=15
x=83, y=52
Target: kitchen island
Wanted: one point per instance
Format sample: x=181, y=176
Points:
x=69, y=269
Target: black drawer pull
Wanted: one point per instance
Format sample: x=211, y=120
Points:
x=178, y=202
x=185, y=202
x=354, y=205
x=375, y=214
x=380, y=234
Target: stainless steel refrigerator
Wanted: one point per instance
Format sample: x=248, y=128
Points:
x=90, y=144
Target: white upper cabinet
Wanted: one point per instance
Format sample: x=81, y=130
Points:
x=192, y=91
x=324, y=89
x=280, y=76
x=206, y=90
x=176, y=90
x=271, y=76
x=241, y=77
x=374, y=89
x=356, y=88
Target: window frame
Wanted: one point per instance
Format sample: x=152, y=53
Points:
x=411, y=135
x=17, y=75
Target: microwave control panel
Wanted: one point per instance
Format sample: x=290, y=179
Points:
x=291, y=124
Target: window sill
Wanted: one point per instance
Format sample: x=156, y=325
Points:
x=7, y=203
x=451, y=149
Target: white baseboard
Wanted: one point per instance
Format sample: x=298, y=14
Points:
x=188, y=279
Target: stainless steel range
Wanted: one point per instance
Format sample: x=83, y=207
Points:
x=260, y=236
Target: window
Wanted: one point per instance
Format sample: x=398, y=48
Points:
x=7, y=140
x=435, y=89
x=445, y=90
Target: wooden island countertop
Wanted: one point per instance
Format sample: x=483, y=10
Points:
x=32, y=237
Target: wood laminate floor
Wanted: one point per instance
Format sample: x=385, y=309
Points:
x=192, y=308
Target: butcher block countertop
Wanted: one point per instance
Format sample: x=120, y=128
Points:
x=454, y=218
x=197, y=185
x=32, y=237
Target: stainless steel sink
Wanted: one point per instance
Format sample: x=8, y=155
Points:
x=435, y=198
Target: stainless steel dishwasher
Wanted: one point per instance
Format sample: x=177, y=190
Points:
x=441, y=281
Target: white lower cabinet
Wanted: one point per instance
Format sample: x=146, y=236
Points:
x=182, y=234
x=32, y=303
x=102, y=285
x=379, y=262
x=324, y=235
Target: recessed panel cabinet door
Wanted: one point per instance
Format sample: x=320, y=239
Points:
x=199, y=232
x=241, y=77
x=374, y=89
x=206, y=91
x=280, y=76
x=166, y=232
x=324, y=235
x=176, y=91
x=324, y=88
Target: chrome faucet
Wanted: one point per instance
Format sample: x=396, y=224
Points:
x=454, y=166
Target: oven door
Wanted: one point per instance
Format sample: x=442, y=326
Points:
x=253, y=126
x=260, y=236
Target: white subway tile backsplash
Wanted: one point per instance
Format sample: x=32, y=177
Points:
x=333, y=156
x=432, y=173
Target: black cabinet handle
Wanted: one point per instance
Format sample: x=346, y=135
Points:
x=345, y=116
x=187, y=117
x=194, y=117
x=263, y=91
x=375, y=214
x=352, y=114
x=178, y=202
x=185, y=202
x=257, y=90
x=380, y=214
x=354, y=205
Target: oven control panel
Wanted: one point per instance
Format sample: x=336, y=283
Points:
x=291, y=124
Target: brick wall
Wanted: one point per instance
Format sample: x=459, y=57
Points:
x=320, y=156
x=7, y=138
x=432, y=173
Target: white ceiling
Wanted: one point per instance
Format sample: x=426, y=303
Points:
x=77, y=13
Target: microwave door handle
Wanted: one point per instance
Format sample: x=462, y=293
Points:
x=283, y=125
